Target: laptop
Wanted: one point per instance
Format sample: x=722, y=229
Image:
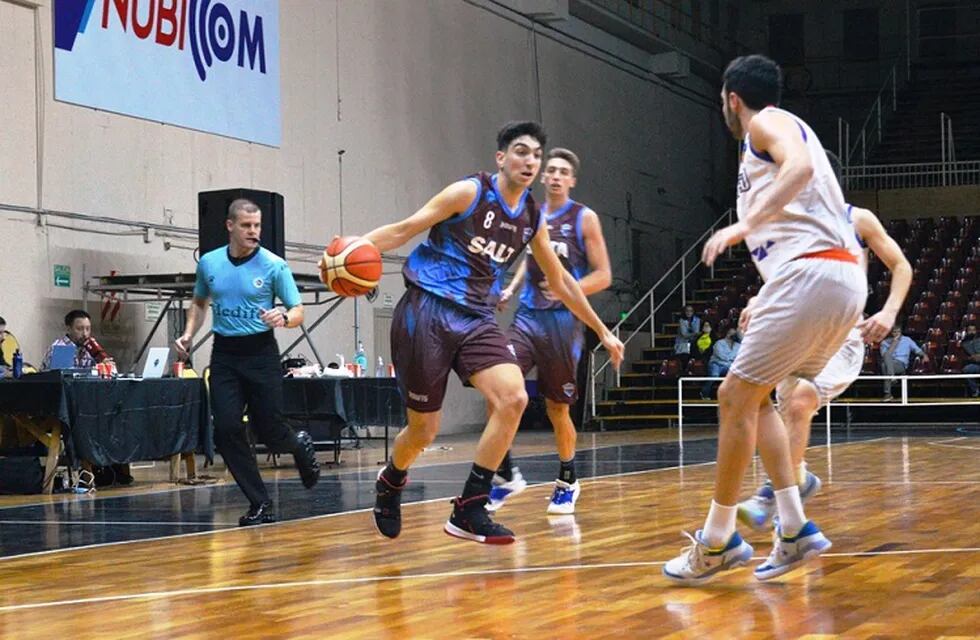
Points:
x=156, y=362
x=63, y=356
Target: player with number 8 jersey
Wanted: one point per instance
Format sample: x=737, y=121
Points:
x=445, y=321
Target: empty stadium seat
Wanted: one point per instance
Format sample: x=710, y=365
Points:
x=697, y=368
x=944, y=322
x=669, y=369
x=952, y=363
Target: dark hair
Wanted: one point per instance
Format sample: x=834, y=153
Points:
x=835, y=165
x=242, y=204
x=74, y=315
x=567, y=156
x=513, y=130
x=756, y=79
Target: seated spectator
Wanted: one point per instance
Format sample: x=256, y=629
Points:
x=971, y=345
x=896, y=356
x=4, y=365
x=687, y=332
x=702, y=346
x=722, y=356
x=78, y=331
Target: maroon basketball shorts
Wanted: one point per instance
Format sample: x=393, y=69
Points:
x=431, y=336
x=552, y=340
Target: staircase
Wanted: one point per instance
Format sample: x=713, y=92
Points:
x=912, y=134
x=644, y=394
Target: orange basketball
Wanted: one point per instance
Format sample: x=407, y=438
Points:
x=351, y=266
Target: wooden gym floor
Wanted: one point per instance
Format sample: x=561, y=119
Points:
x=902, y=512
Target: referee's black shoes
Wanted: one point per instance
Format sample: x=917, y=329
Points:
x=305, y=457
x=258, y=514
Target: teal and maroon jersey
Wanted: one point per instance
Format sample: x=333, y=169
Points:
x=465, y=255
x=565, y=230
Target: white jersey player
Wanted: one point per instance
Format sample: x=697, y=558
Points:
x=792, y=217
x=798, y=399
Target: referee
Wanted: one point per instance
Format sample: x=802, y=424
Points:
x=241, y=281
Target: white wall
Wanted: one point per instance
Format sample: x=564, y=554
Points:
x=423, y=87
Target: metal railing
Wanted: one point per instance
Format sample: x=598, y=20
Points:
x=910, y=176
x=902, y=400
x=648, y=304
x=946, y=138
x=885, y=104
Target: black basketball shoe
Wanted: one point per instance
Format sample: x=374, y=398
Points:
x=471, y=521
x=305, y=457
x=388, y=506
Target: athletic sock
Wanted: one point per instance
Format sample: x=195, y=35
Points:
x=566, y=470
x=393, y=475
x=720, y=525
x=790, y=510
x=478, y=482
x=506, y=468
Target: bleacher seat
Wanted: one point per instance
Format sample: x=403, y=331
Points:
x=952, y=363
x=697, y=368
x=944, y=322
x=669, y=369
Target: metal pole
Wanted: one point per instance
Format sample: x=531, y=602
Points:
x=878, y=104
x=828, y=425
x=894, y=91
x=680, y=413
x=653, y=324
x=684, y=281
x=618, y=380
x=942, y=143
x=864, y=156
x=592, y=379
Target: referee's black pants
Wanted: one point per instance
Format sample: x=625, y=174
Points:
x=246, y=377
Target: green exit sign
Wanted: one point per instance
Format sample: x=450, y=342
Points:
x=62, y=275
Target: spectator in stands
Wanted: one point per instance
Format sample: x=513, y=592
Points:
x=702, y=346
x=687, y=332
x=722, y=356
x=4, y=365
x=78, y=329
x=971, y=345
x=896, y=356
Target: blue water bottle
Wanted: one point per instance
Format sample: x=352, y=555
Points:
x=18, y=364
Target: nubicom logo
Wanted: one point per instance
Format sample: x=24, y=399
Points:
x=211, y=31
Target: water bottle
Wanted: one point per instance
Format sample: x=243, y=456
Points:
x=360, y=358
x=18, y=364
x=379, y=369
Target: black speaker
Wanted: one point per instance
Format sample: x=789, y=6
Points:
x=212, y=211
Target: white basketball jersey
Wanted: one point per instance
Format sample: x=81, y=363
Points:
x=815, y=220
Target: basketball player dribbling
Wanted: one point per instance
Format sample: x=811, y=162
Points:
x=798, y=400
x=792, y=217
x=545, y=334
x=445, y=321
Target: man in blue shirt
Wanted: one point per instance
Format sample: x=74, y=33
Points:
x=722, y=356
x=241, y=281
x=896, y=356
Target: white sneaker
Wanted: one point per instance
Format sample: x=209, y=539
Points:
x=698, y=564
x=564, y=498
x=504, y=489
x=789, y=553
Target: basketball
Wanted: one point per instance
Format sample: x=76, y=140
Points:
x=351, y=266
